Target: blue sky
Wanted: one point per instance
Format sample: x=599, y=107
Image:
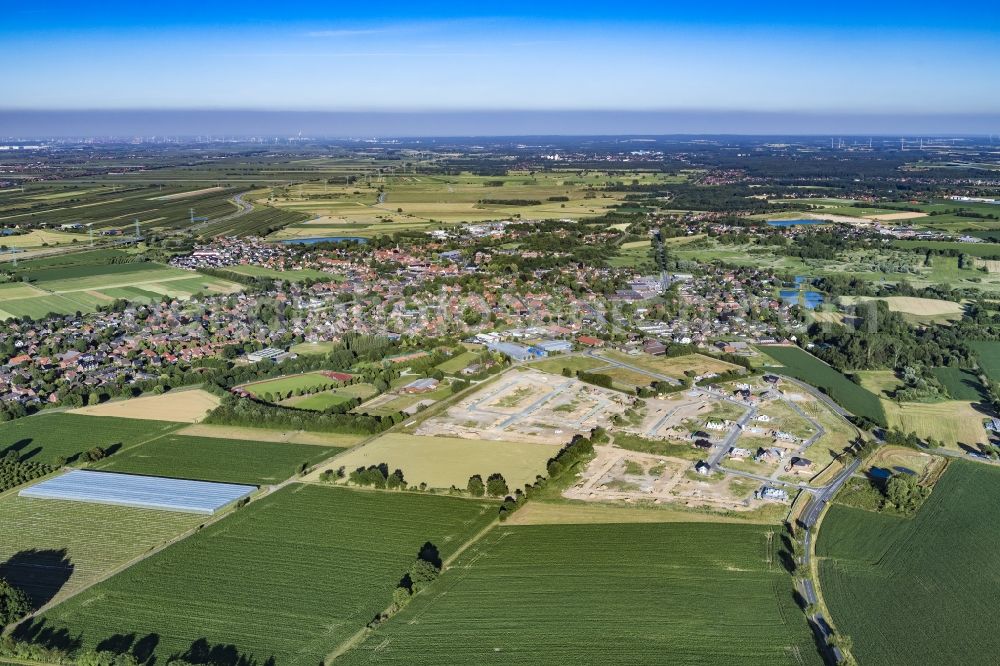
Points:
x=858, y=57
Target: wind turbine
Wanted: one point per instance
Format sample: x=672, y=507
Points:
x=90, y=228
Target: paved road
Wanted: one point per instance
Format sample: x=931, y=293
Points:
x=815, y=392
x=626, y=366
x=244, y=208
x=731, y=438
x=808, y=586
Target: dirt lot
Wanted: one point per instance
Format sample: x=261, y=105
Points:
x=626, y=476
x=178, y=406
x=529, y=406
x=442, y=462
x=264, y=435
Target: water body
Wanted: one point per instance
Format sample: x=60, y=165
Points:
x=325, y=239
x=808, y=299
x=793, y=223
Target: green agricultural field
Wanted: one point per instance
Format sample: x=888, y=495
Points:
x=215, y=459
x=925, y=582
x=83, y=287
x=320, y=401
x=289, y=577
x=806, y=367
x=283, y=385
x=961, y=384
x=679, y=594
x=48, y=437
x=419, y=201
x=59, y=547
x=989, y=357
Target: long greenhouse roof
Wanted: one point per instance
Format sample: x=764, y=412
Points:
x=149, y=492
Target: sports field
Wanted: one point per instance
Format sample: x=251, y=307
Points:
x=696, y=593
x=925, y=582
x=284, y=385
x=215, y=459
x=442, y=462
x=320, y=401
x=181, y=406
x=289, y=577
x=806, y=367
x=47, y=437
x=59, y=547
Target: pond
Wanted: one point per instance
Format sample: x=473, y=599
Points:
x=794, y=223
x=808, y=299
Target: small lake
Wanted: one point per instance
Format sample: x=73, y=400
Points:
x=793, y=223
x=325, y=239
x=809, y=299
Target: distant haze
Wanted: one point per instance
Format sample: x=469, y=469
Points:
x=356, y=124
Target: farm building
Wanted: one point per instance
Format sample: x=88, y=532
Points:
x=421, y=386
x=147, y=492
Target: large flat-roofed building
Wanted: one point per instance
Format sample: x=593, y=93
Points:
x=146, y=492
x=515, y=351
x=553, y=346
x=267, y=354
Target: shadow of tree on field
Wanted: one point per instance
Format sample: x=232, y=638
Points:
x=203, y=652
x=142, y=649
x=38, y=631
x=40, y=573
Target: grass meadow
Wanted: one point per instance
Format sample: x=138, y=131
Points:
x=926, y=582
x=288, y=577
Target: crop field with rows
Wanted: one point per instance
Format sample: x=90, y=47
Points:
x=926, y=582
x=60, y=547
x=216, y=459
x=259, y=222
x=695, y=593
x=290, y=576
x=46, y=437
